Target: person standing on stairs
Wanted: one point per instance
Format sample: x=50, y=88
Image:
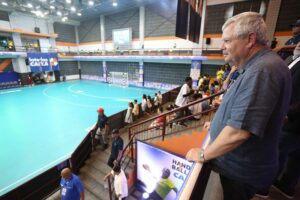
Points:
x=116, y=148
x=102, y=128
x=71, y=186
x=120, y=182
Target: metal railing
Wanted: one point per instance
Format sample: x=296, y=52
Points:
x=118, y=52
x=149, y=52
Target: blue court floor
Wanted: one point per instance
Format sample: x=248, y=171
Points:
x=42, y=125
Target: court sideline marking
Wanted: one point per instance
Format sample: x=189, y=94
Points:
x=11, y=91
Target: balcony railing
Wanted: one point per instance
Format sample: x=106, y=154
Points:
x=118, y=52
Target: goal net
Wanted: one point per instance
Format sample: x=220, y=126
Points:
x=118, y=78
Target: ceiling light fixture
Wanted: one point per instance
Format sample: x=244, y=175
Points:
x=4, y=3
x=52, y=7
x=91, y=3
x=29, y=5
x=115, y=4
x=38, y=13
x=64, y=19
x=69, y=1
x=73, y=9
x=79, y=14
x=58, y=13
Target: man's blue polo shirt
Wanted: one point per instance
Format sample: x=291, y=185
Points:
x=256, y=102
x=71, y=189
x=102, y=121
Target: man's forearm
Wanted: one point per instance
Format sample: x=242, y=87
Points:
x=82, y=196
x=229, y=139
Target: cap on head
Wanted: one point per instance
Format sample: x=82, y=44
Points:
x=296, y=24
x=100, y=110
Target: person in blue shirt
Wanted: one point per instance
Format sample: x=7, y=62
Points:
x=292, y=41
x=116, y=148
x=71, y=186
x=296, y=34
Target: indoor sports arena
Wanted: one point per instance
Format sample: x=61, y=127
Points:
x=149, y=99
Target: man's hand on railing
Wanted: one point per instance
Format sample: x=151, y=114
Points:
x=206, y=126
x=106, y=176
x=194, y=155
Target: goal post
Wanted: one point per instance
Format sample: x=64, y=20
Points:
x=118, y=78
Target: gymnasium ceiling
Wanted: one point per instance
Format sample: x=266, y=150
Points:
x=76, y=10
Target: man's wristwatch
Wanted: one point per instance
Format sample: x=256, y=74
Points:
x=201, y=156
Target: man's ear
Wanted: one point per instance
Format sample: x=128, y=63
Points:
x=251, y=40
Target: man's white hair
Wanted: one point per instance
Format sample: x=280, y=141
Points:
x=249, y=22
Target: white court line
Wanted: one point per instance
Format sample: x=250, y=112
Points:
x=46, y=166
x=11, y=91
x=111, y=85
x=100, y=97
x=62, y=100
x=74, y=104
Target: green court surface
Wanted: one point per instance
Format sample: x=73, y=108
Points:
x=42, y=125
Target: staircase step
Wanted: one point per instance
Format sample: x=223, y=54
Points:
x=98, y=164
x=97, y=175
x=89, y=195
x=99, y=158
x=55, y=196
x=93, y=187
x=98, y=149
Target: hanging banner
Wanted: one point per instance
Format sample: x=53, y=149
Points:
x=43, y=62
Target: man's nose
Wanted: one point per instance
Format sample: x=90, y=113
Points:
x=222, y=45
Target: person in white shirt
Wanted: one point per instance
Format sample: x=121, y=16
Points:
x=185, y=91
x=149, y=104
x=129, y=115
x=136, y=110
x=183, y=97
x=120, y=183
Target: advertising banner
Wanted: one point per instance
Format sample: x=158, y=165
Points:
x=161, y=174
x=43, y=62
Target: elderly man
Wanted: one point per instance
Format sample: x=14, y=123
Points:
x=71, y=186
x=245, y=129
